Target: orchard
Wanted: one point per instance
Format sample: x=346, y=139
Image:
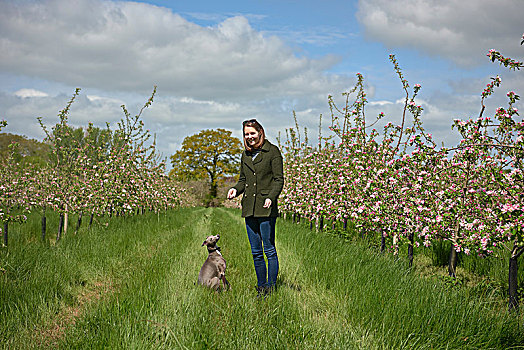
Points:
x=398, y=182
x=92, y=172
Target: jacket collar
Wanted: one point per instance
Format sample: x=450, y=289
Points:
x=265, y=148
x=250, y=162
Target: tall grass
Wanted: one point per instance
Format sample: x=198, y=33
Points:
x=132, y=285
x=402, y=309
x=484, y=274
x=43, y=282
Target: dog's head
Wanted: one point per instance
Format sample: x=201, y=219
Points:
x=211, y=241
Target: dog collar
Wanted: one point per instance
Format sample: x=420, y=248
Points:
x=211, y=250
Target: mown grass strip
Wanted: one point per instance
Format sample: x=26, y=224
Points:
x=44, y=286
x=131, y=317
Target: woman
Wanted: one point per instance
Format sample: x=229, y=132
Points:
x=261, y=180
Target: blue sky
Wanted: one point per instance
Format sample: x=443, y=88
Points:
x=216, y=63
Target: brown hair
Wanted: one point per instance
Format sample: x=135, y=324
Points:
x=256, y=125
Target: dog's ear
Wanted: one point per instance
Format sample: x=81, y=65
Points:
x=205, y=243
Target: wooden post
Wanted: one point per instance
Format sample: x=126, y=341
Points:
x=60, y=226
x=452, y=262
x=6, y=229
x=66, y=219
x=79, y=222
x=410, y=249
x=44, y=226
x=513, y=294
x=513, y=278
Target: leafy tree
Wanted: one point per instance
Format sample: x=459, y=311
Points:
x=28, y=150
x=210, y=154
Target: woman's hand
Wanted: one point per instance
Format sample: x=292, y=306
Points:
x=267, y=203
x=232, y=193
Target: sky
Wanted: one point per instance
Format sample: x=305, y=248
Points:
x=217, y=63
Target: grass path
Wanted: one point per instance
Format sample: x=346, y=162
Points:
x=138, y=292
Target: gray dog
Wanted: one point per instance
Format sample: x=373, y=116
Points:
x=214, y=268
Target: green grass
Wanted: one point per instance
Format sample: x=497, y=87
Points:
x=482, y=275
x=132, y=286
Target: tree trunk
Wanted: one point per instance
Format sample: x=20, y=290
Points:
x=213, y=188
x=513, y=284
x=382, y=241
x=91, y=219
x=452, y=262
x=345, y=224
x=321, y=223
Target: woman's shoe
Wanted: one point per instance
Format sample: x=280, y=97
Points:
x=261, y=292
x=271, y=289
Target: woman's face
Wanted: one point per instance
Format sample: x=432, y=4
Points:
x=251, y=135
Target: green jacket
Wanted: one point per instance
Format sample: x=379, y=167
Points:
x=259, y=179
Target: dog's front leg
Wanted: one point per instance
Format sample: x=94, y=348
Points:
x=225, y=283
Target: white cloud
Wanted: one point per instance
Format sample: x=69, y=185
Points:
x=129, y=46
x=436, y=120
x=170, y=118
x=217, y=76
x=380, y=103
x=25, y=93
x=207, y=76
x=462, y=31
x=104, y=100
x=219, y=17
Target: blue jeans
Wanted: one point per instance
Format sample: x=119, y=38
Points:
x=261, y=234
